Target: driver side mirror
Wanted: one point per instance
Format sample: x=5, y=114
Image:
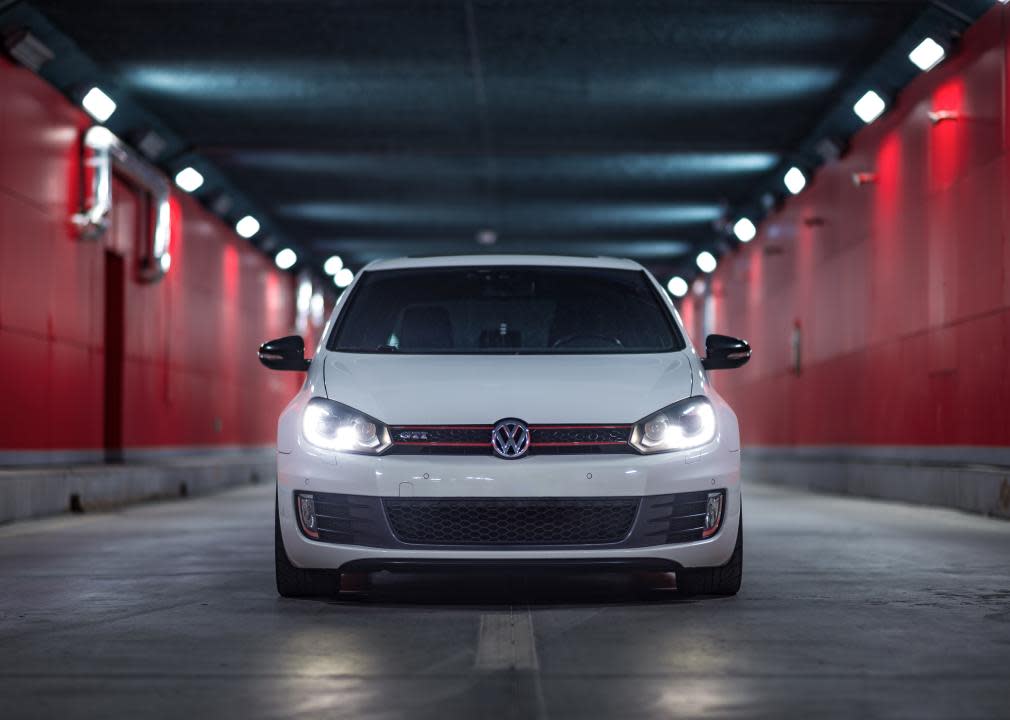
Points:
x=723, y=352
x=286, y=353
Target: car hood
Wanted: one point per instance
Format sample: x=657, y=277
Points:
x=482, y=389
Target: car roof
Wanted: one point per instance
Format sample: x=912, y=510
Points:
x=405, y=263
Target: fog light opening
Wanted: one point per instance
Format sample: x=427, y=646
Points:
x=307, y=515
x=713, y=514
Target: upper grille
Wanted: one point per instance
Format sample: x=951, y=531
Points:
x=476, y=439
x=511, y=521
x=485, y=449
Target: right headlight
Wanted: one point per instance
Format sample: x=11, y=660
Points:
x=687, y=424
x=333, y=426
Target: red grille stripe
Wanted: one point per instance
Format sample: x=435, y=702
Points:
x=395, y=429
x=435, y=443
x=577, y=442
x=579, y=427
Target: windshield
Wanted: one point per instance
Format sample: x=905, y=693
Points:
x=515, y=309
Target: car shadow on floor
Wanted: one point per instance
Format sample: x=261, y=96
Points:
x=512, y=587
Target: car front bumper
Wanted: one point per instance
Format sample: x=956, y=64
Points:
x=572, y=476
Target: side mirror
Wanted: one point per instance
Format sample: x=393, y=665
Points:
x=286, y=353
x=723, y=352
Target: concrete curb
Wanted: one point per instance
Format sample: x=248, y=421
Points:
x=37, y=492
x=961, y=480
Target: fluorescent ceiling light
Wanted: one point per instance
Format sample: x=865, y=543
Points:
x=927, y=54
x=189, y=179
x=343, y=278
x=795, y=180
x=744, y=230
x=247, y=226
x=869, y=107
x=677, y=286
x=332, y=265
x=286, y=258
x=706, y=261
x=99, y=105
x=101, y=138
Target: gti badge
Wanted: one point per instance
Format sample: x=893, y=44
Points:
x=510, y=438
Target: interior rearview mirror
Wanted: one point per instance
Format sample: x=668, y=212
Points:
x=286, y=353
x=723, y=352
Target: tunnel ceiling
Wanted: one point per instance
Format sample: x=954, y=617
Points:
x=379, y=129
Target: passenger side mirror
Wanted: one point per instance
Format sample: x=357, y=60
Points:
x=286, y=353
x=723, y=352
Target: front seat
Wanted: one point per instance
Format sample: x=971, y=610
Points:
x=425, y=327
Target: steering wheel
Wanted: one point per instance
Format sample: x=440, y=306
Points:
x=583, y=336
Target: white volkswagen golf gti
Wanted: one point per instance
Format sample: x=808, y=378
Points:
x=522, y=411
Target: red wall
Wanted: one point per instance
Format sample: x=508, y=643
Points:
x=190, y=373
x=901, y=289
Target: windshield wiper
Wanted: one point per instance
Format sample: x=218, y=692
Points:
x=377, y=349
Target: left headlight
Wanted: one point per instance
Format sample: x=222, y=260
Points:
x=332, y=426
x=684, y=425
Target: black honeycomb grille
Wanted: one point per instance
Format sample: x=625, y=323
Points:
x=511, y=521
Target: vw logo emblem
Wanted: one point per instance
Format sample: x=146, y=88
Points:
x=510, y=438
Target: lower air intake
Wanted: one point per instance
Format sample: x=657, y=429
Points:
x=511, y=521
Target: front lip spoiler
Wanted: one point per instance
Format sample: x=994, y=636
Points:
x=477, y=565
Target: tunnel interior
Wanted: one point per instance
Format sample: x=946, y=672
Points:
x=815, y=196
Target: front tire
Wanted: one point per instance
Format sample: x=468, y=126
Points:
x=724, y=580
x=294, y=582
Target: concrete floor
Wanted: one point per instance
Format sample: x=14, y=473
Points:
x=850, y=608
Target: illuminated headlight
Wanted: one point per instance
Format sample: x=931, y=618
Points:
x=684, y=425
x=332, y=426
